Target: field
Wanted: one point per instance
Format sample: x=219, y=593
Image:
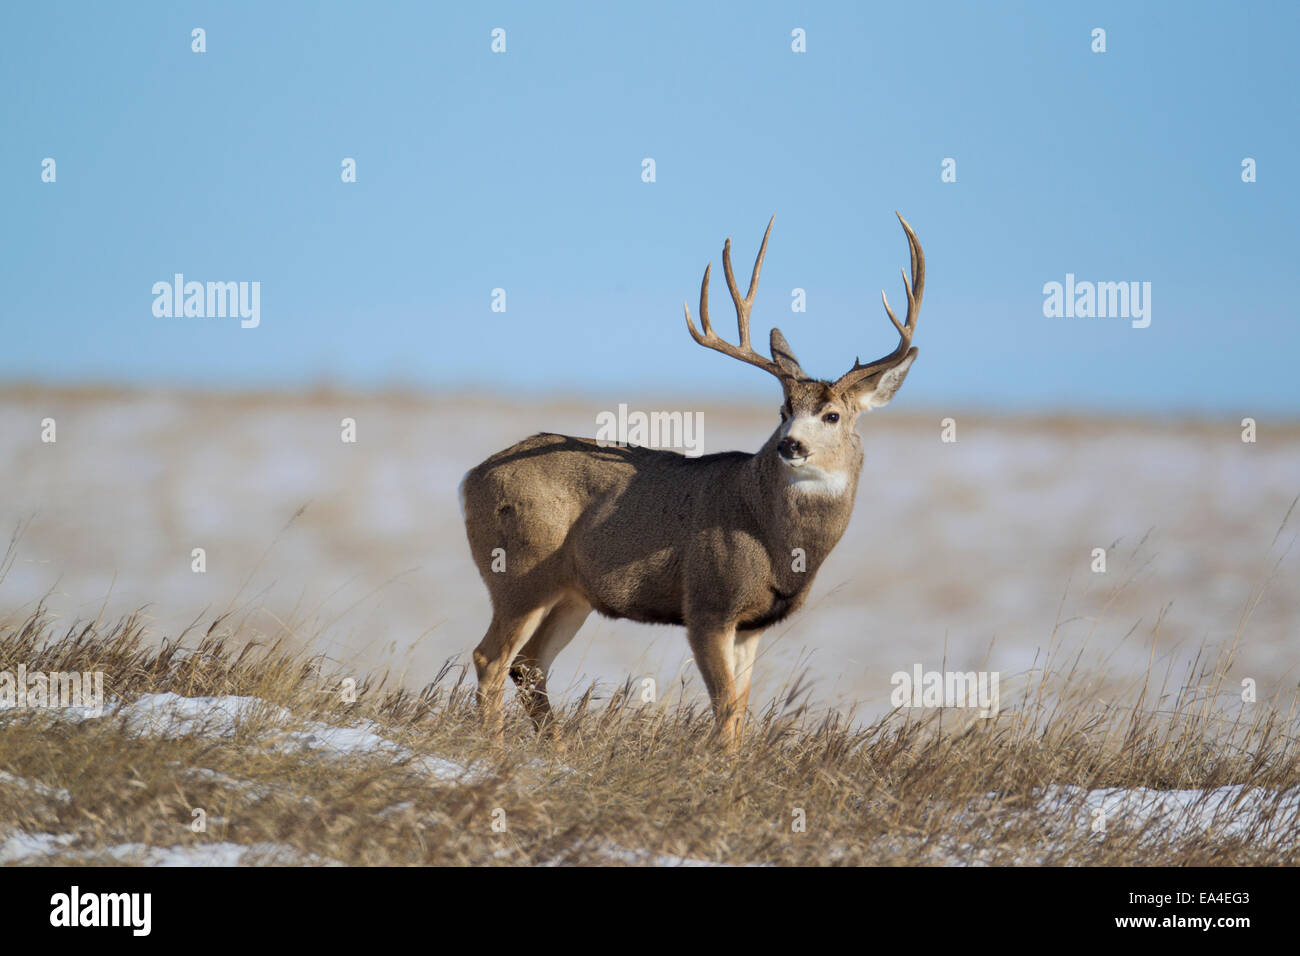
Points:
x=1121, y=692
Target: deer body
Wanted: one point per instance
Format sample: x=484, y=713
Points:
x=655, y=537
x=726, y=544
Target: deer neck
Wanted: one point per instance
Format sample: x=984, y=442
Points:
x=794, y=513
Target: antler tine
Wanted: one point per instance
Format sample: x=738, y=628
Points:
x=743, y=305
x=890, y=312
x=710, y=339
x=915, y=289
x=704, y=303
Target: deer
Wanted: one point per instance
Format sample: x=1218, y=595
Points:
x=724, y=544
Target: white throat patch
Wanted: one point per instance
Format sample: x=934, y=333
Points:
x=811, y=480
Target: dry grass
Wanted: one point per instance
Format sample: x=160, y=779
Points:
x=635, y=782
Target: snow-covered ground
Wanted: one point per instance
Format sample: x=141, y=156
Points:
x=31, y=847
x=170, y=715
x=1234, y=811
x=953, y=547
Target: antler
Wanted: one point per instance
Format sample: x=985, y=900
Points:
x=710, y=339
x=915, y=289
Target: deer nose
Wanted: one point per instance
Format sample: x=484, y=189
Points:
x=791, y=448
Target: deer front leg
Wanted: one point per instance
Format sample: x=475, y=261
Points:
x=746, y=649
x=714, y=647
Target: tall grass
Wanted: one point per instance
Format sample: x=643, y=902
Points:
x=630, y=781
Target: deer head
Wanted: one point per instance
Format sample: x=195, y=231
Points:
x=817, y=441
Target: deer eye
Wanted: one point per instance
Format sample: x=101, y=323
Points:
x=830, y=418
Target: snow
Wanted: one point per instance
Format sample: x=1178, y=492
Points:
x=214, y=854
x=19, y=847
x=442, y=769
x=1232, y=811
x=360, y=739
x=171, y=715
x=618, y=854
x=34, y=786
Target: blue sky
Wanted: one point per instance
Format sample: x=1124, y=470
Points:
x=522, y=171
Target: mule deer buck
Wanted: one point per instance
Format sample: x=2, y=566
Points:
x=726, y=544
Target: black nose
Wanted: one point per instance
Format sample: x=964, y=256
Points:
x=792, y=448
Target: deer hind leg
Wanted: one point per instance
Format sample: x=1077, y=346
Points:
x=714, y=650
x=530, y=667
x=507, y=633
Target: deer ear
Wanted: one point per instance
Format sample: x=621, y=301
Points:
x=784, y=356
x=879, y=389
